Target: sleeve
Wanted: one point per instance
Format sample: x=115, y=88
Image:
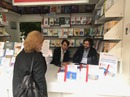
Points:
x=76, y=55
x=39, y=71
x=54, y=56
x=67, y=56
x=16, y=78
x=94, y=58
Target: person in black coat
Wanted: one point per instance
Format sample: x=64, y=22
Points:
x=32, y=47
x=61, y=55
x=86, y=54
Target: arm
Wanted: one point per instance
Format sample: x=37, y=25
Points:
x=16, y=77
x=66, y=56
x=56, y=57
x=76, y=56
x=39, y=71
x=93, y=57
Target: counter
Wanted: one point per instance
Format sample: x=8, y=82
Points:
x=106, y=87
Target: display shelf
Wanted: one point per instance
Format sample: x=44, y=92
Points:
x=81, y=26
x=116, y=10
x=115, y=33
x=116, y=50
x=3, y=9
x=4, y=35
x=81, y=14
x=65, y=14
x=3, y=23
x=104, y=19
x=99, y=4
x=114, y=13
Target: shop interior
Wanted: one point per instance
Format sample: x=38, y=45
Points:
x=107, y=22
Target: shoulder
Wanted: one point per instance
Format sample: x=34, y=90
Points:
x=93, y=49
x=20, y=54
x=38, y=54
x=81, y=47
x=57, y=48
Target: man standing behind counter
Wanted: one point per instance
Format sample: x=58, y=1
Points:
x=61, y=55
x=86, y=54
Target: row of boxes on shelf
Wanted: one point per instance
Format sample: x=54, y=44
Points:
x=57, y=9
x=66, y=21
x=71, y=8
x=8, y=53
x=65, y=32
x=10, y=49
x=86, y=73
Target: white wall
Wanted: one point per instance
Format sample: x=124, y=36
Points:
x=126, y=44
x=13, y=17
x=30, y=18
x=14, y=33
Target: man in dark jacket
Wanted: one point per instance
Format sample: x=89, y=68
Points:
x=86, y=54
x=61, y=55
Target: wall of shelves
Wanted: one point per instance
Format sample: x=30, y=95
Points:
x=113, y=13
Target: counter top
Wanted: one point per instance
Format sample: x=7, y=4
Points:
x=109, y=87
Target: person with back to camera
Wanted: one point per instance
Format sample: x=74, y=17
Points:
x=31, y=50
x=61, y=55
x=86, y=54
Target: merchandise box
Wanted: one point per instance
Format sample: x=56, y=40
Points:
x=80, y=73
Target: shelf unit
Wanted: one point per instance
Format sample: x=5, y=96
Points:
x=79, y=26
x=115, y=12
x=4, y=34
x=115, y=33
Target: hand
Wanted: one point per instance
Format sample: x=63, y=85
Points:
x=65, y=63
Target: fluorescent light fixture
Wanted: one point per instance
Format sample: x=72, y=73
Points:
x=47, y=2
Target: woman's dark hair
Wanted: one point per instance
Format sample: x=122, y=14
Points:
x=89, y=40
x=65, y=40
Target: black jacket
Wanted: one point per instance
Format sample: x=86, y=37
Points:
x=57, y=56
x=91, y=59
x=22, y=67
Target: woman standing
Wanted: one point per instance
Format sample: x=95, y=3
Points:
x=32, y=47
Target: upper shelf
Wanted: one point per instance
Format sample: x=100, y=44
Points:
x=3, y=23
x=115, y=33
x=3, y=9
x=116, y=10
x=99, y=4
x=116, y=51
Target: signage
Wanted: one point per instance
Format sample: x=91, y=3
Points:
x=108, y=62
x=46, y=2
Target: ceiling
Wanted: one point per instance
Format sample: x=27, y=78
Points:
x=88, y=8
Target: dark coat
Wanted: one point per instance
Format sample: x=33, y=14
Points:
x=57, y=56
x=91, y=59
x=22, y=67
